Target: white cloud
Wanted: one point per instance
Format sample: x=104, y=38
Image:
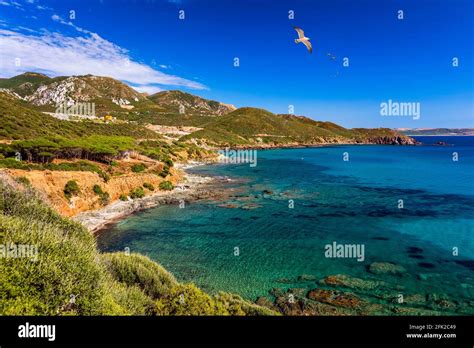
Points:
x=148, y=89
x=55, y=54
x=15, y=4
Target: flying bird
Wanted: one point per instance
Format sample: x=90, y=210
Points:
x=303, y=39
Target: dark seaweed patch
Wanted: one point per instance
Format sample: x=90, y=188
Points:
x=380, y=238
x=302, y=216
x=426, y=265
x=416, y=256
x=466, y=263
x=414, y=250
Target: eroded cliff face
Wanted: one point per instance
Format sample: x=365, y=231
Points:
x=51, y=185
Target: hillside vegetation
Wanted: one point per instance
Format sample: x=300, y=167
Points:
x=20, y=121
x=258, y=127
x=39, y=137
x=222, y=124
x=69, y=276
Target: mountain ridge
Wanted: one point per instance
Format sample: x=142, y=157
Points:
x=218, y=124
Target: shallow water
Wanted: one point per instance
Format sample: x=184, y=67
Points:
x=353, y=202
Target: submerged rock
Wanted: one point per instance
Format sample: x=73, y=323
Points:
x=441, y=302
x=228, y=205
x=386, y=268
x=303, y=307
x=414, y=299
x=336, y=298
x=277, y=292
x=415, y=311
x=306, y=277
x=352, y=282
x=298, y=292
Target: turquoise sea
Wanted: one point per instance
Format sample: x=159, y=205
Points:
x=348, y=202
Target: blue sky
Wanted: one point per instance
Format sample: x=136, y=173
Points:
x=145, y=44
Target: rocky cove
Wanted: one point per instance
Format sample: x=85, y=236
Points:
x=192, y=188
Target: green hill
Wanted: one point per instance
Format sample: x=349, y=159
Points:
x=163, y=108
x=89, y=282
x=25, y=84
x=258, y=127
x=116, y=98
x=20, y=121
x=170, y=101
x=223, y=125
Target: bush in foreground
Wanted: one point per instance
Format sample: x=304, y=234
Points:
x=67, y=264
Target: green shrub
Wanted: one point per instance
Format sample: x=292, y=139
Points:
x=183, y=299
x=97, y=189
x=23, y=180
x=123, y=197
x=166, y=186
x=14, y=164
x=165, y=172
x=71, y=189
x=139, y=270
x=149, y=186
x=66, y=261
x=137, y=193
x=104, y=176
x=138, y=168
x=104, y=198
x=168, y=162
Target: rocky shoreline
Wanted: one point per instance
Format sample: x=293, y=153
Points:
x=386, y=140
x=193, y=187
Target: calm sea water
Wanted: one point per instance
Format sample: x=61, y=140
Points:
x=354, y=202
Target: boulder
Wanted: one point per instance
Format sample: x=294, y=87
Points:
x=352, y=282
x=386, y=268
x=335, y=298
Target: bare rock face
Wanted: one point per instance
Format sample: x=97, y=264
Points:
x=172, y=101
x=395, y=140
x=75, y=89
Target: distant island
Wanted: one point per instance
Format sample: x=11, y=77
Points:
x=436, y=131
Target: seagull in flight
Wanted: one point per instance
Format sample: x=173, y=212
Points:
x=303, y=39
